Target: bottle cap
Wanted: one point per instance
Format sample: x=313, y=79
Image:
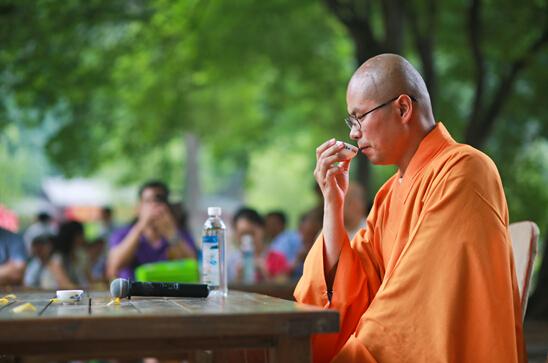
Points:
x=214, y=211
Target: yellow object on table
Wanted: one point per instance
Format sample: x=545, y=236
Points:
x=7, y=299
x=25, y=308
x=115, y=301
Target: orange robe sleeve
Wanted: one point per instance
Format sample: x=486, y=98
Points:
x=358, y=277
x=449, y=293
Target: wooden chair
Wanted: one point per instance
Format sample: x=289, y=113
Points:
x=524, y=237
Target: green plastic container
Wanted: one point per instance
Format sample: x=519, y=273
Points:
x=185, y=270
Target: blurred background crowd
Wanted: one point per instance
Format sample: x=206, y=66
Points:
x=57, y=253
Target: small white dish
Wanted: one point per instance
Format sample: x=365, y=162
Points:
x=69, y=296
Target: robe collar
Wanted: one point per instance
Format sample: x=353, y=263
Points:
x=434, y=142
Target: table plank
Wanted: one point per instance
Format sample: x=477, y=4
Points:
x=39, y=300
x=158, y=306
x=280, y=290
x=240, y=302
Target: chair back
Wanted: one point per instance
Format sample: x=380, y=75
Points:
x=524, y=237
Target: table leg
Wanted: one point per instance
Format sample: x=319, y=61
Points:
x=291, y=349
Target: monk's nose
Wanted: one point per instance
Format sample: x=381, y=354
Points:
x=355, y=133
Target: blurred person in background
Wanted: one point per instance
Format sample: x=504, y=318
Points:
x=280, y=238
x=310, y=225
x=97, y=249
x=154, y=236
x=43, y=226
x=355, y=210
x=269, y=264
x=181, y=218
x=38, y=267
x=106, y=221
x=12, y=258
x=96, y=261
x=67, y=266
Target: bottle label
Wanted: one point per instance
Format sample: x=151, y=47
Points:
x=210, y=263
x=210, y=239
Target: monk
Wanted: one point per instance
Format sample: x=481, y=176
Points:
x=431, y=277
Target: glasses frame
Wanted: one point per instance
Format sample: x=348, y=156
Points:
x=352, y=121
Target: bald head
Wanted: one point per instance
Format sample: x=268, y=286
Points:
x=390, y=110
x=389, y=75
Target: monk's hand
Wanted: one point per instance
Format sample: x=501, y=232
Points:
x=331, y=172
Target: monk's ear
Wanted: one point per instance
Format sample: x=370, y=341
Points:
x=405, y=105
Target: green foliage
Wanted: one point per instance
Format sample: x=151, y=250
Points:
x=282, y=178
x=528, y=186
x=132, y=78
x=21, y=164
x=260, y=82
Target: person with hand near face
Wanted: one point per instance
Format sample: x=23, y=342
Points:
x=431, y=278
x=153, y=237
x=269, y=264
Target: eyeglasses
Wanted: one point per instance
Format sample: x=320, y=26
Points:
x=352, y=121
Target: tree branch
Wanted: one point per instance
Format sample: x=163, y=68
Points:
x=505, y=88
x=393, y=16
x=474, y=37
x=359, y=27
x=424, y=42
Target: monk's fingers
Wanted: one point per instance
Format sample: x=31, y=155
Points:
x=320, y=174
x=325, y=162
x=331, y=149
x=320, y=149
x=333, y=174
x=330, y=155
x=345, y=165
x=335, y=171
x=329, y=162
x=317, y=174
x=326, y=157
x=318, y=178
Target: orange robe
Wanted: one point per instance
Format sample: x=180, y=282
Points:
x=431, y=278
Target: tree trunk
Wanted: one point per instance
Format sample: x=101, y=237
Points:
x=356, y=18
x=192, y=185
x=485, y=112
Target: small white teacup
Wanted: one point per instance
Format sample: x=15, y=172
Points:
x=69, y=296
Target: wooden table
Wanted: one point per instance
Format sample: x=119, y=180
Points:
x=161, y=327
x=274, y=289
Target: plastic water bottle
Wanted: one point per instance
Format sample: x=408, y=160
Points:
x=214, y=252
x=248, y=258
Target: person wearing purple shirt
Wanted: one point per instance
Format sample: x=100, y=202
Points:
x=153, y=237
